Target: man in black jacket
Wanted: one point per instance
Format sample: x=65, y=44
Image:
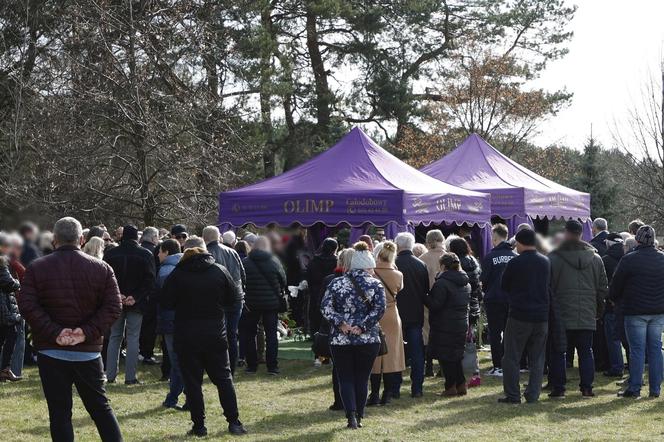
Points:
x=495, y=299
x=199, y=290
x=135, y=271
x=266, y=281
x=410, y=302
x=614, y=324
x=526, y=281
x=600, y=232
x=638, y=283
x=230, y=259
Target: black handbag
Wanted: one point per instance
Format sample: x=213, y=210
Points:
x=281, y=296
x=321, y=344
x=382, y=350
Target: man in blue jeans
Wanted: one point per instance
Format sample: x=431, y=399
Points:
x=410, y=302
x=638, y=284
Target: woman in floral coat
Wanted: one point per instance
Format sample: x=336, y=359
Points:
x=353, y=304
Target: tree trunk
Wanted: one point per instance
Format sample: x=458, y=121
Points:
x=269, y=163
x=323, y=95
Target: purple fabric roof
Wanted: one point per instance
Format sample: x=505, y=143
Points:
x=515, y=190
x=355, y=181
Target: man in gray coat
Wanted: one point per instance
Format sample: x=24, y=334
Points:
x=579, y=285
x=228, y=258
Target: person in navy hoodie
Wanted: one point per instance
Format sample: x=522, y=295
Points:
x=495, y=299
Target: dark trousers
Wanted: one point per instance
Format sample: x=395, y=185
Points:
x=520, y=336
x=582, y=341
x=148, y=331
x=353, y=364
x=557, y=363
x=415, y=352
x=250, y=321
x=205, y=353
x=8, y=335
x=389, y=381
x=315, y=316
x=165, y=359
x=496, y=315
x=335, y=386
x=614, y=343
x=57, y=378
x=232, y=318
x=453, y=372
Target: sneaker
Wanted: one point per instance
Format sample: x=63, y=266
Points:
x=236, y=428
x=241, y=363
x=150, y=361
x=629, y=394
x=197, y=432
x=497, y=372
x=317, y=363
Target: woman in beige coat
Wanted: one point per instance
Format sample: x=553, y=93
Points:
x=393, y=363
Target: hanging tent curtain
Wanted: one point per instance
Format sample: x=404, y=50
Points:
x=517, y=193
x=355, y=183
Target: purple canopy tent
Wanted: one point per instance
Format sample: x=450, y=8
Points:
x=518, y=195
x=354, y=183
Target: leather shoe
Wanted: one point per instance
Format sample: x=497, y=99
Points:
x=507, y=400
x=373, y=400
x=197, y=432
x=236, y=428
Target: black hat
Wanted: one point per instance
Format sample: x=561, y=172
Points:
x=526, y=237
x=329, y=247
x=130, y=232
x=614, y=237
x=177, y=229
x=574, y=227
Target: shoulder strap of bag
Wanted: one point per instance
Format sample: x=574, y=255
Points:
x=385, y=285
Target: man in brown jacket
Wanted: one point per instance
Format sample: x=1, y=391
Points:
x=70, y=299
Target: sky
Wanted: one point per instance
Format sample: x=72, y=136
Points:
x=617, y=47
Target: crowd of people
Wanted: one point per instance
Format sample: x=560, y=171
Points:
x=90, y=297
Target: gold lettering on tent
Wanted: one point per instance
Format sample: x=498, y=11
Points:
x=308, y=206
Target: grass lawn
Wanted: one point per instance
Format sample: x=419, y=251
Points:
x=293, y=407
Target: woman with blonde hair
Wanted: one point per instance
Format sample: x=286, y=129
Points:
x=95, y=247
x=394, y=362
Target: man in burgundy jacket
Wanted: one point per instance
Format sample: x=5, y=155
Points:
x=70, y=299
